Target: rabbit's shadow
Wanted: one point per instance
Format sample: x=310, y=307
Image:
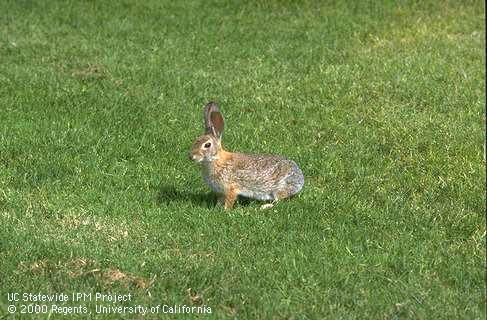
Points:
x=169, y=194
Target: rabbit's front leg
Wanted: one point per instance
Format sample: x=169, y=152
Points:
x=230, y=197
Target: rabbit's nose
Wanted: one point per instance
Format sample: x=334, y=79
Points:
x=190, y=157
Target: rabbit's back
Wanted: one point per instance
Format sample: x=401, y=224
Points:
x=262, y=177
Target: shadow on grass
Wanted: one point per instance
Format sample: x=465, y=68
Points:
x=169, y=194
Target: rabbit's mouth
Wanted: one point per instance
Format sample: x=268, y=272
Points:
x=202, y=159
x=195, y=158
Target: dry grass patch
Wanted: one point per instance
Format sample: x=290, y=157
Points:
x=83, y=267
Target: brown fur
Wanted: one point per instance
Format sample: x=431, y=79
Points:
x=262, y=177
x=230, y=198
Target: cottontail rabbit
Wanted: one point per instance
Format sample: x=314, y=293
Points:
x=261, y=177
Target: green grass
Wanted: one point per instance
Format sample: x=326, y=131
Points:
x=381, y=103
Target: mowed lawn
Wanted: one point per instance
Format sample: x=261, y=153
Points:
x=381, y=103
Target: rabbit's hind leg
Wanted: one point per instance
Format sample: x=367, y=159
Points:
x=268, y=205
x=277, y=196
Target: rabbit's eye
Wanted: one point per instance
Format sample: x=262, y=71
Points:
x=207, y=145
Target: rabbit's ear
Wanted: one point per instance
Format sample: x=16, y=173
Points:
x=218, y=124
x=214, y=123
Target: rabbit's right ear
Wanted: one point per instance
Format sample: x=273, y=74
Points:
x=214, y=123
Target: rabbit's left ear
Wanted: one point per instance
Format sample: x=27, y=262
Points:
x=217, y=124
x=214, y=123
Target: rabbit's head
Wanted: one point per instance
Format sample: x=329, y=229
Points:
x=207, y=147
